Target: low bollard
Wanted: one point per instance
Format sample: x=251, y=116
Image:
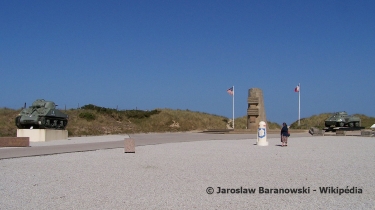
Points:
x=129, y=145
x=262, y=134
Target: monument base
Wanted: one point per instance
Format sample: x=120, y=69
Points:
x=39, y=135
x=262, y=143
x=340, y=133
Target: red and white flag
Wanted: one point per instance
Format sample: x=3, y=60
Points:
x=296, y=89
x=230, y=91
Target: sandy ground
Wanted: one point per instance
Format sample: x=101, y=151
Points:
x=238, y=173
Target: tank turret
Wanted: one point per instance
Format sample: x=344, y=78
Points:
x=42, y=114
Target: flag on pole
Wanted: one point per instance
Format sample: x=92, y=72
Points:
x=230, y=91
x=296, y=89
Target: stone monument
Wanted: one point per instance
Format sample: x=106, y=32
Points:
x=255, y=109
x=42, y=121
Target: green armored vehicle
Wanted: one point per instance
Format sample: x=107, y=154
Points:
x=42, y=114
x=342, y=119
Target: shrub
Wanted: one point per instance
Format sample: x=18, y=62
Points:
x=87, y=116
x=139, y=114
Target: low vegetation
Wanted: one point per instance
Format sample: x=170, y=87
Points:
x=94, y=120
x=318, y=121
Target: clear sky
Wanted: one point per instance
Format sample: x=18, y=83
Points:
x=185, y=55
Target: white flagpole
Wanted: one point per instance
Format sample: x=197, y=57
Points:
x=299, y=104
x=233, y=107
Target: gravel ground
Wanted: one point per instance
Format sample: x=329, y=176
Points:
x=81, y=140
x=177, y=175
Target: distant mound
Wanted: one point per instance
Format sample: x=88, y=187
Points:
x=94, y=120
x=318, y=121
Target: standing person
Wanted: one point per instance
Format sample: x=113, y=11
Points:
x=284, y=135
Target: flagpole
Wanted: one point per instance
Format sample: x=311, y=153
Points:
x=299, y=104
x=233, y=107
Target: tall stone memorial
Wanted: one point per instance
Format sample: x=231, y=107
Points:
x=255, y=109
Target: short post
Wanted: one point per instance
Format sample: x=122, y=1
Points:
x=262, y=134
x=129, y=145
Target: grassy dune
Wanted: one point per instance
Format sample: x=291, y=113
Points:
x=93, y=120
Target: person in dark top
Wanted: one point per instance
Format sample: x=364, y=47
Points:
x=284, y=135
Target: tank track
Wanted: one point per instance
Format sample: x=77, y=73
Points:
x=46, y=123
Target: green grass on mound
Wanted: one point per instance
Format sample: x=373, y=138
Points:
x=318, y=121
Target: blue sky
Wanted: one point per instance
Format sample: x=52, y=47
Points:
x=185, y=55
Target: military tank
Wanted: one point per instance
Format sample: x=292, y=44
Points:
x=342, y=119
x=42, y=114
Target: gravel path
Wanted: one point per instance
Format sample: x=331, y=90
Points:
x=177, y=175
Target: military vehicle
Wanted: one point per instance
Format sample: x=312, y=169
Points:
x=42, y=114
x=342, y=119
